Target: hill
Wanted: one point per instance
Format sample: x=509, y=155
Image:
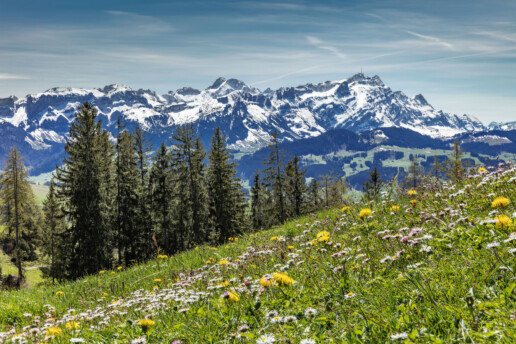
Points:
x=432, y=266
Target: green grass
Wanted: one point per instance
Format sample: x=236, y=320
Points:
x=450, y=281
x=40, y=192
x=32, y=274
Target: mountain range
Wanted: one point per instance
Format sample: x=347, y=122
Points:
x=38, y=123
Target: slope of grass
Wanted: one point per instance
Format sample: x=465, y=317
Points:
x=440, y=269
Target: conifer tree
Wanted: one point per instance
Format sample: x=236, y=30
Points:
x=275, y=182
x=415, y=172
x=456, y=169
x=314, y=199
x=373, y=185
x=127, y=199
x=437, y=168
x=296, y=186
x=16, y=194
x=191, y=209
x=143, y=220
x=54, y=233
x=161, y=198
x=258, y=202
x=86, y=189
x=226, y=204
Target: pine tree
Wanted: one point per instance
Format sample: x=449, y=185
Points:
x=191, y=209
x=86, y=188
x=337, y=190
x=415, y=172
x=314, y=199
x=373, y=185
x=161, y=198
x=143, y=220
x=16, y=194
x=296, y=186
x=226, y=203
x=258, y=203
x=127, y=199
x=456, y=169
x=275, y=181
x=437, y=168
x=55, y=233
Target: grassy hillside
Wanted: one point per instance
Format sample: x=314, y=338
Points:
x=433, y=267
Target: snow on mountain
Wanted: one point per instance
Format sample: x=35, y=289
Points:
x=502, y=126
x=245, y=114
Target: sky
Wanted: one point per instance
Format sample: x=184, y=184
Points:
x=461, y=55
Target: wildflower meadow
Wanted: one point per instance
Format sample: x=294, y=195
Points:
x=432, y=265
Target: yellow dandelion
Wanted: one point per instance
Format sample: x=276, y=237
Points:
x=274, y=238
x=72, y=325
x=413, y=202
x=290, y=247
x=54, y=331
x=105, y=294
x=503, y=221
x=157, y=280
x=395, y=209
x=223, y=262
x=346, y=208
x=412, y=192
x=59, y=293
x=282, y=279
x=323, y=236
x=231, y=296
x=119, y=268
x=365, y=213
x=224, y=284
x=266, y=281
x=101, y=272
x=500, y=202
x=482, y=170
x=162, y=256
x=146, y=324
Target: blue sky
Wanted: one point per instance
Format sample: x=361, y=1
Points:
x=461, y=55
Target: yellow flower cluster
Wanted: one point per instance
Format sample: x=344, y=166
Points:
x=395, y=208
x=54, y=331
x=145, y=324
x=482, y=170
x=72, y=325
x=231, y=296
x=283, y=279
x=503, y=222
x=266, y=281
x=500, y=202
x=323, y=236
x=274, y=238
x=346, y=208
x=162, y=256
x=412, y=192
x=223, y=262
x=365, y=213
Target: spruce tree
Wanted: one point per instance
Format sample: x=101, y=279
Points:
x=314, y=199
x=226, y=203
x=258, y=202
x=17, y=196
x=456, y=169
x=127, y=237
x=415, y=172
x=161, y=198
x=143, y=220
x=373, y=185
x=296, y=186
x=188, y=168
x=275, y=182
x=54, y=233
x=86, y=188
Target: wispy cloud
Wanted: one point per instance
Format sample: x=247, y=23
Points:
x=283, y=76
x=325, y=46
x=4, y=76
x=432, y=40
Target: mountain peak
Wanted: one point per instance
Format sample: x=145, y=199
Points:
x=421, y=100
x=217, y=83
x=115, y=88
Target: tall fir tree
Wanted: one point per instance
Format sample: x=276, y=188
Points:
x=86, y=188
x=373, y=186
x=127, y=236
x=313, y=196
x=456, y=168
x=226, y=203
x=54, y=234
x=188, y=168
x=161, y=200
x=258, y=203
x=275, y=182
x=144, y=248
x=415, y=172
x=18, y=198
x=296, y=186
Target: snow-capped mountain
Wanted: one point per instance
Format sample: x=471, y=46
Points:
x=502, y=125
x=245, y=114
